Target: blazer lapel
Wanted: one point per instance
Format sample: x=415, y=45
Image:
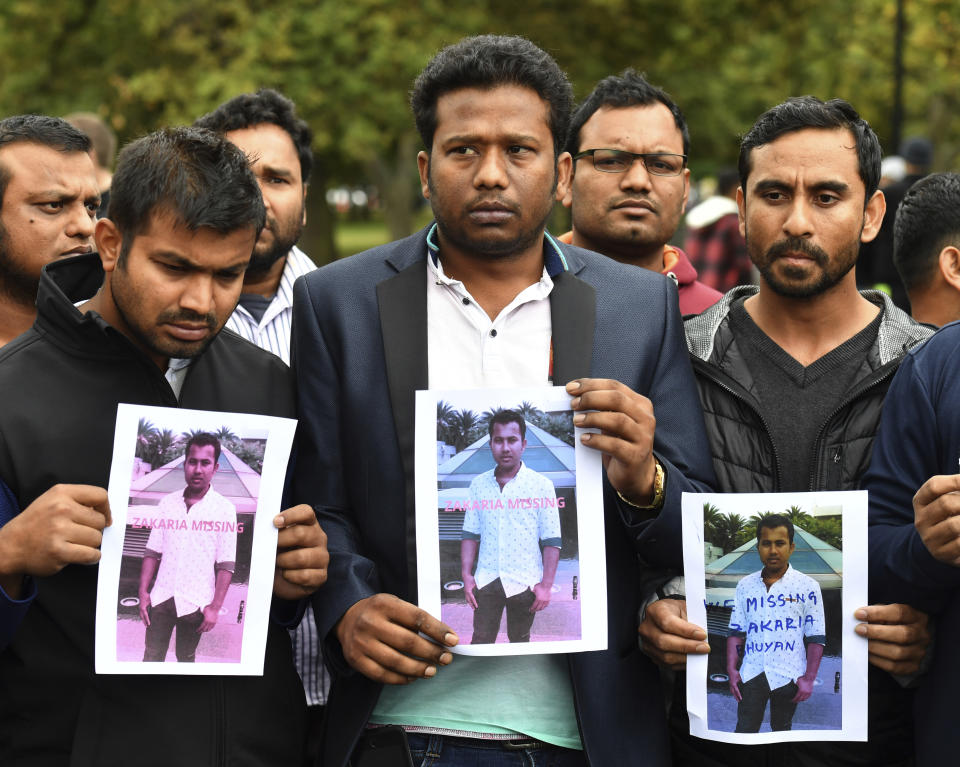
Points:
x=573, y=304
x=403, y=324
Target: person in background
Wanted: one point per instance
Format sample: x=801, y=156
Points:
x=629, y=143
x=714, y=244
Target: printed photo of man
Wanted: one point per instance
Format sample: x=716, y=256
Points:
x=192, y=553
x=513, y=522
x=778, y=625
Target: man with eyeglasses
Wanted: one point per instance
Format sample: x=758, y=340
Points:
x=629, y=143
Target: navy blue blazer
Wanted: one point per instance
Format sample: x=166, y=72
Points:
x=360, y=352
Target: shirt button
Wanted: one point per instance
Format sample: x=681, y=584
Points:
x=493, y=333
x=466, y=302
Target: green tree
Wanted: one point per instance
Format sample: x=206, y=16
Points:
x=726, y=530
x=798, y=516
x=711, y=518
x=463, y=424
x=145, y=433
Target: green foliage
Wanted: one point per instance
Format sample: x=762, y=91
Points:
x=725, y=530
x=828, y=529
x=350, y=66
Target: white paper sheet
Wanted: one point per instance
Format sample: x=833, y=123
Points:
x=576, y=617
x=837, y=708
x=235, y=644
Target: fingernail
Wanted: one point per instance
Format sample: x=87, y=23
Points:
x=860, y=614
x=585, y=438
x=278, y=521
x=431, y=671
x=575, y=402
x=861, y=629
x=579, y=418
x=703, y=648
x=445, y=658
x=573, y=386
x=450, y=639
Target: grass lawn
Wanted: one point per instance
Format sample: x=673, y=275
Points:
x=355, y=236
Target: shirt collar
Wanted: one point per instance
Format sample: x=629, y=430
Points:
x=553, y=259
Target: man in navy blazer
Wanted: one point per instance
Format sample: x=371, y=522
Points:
x=493, y=113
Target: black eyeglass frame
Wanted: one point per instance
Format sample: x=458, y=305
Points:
x=643, y=157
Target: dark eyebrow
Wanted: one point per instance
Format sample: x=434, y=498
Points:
x=273, y=170
x=178, y=260
x=773, y=185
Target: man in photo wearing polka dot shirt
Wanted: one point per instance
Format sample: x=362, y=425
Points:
x=778, y=625
x=511, y=515
x=192, y=555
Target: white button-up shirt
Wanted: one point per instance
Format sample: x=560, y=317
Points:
x=191, y=546
x=510, y=524
x=777, y=624
x=468, y=350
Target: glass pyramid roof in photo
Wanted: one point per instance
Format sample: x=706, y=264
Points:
x=812, y=556
x=234, y=480
x=545, y=454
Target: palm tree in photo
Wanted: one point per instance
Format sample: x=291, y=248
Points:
x=225, y=434
x=711, y=518
x=728, y=527
x=445, y=415
x=798, y=516
x=463, y=423
x=145, y=432
x=530, y=412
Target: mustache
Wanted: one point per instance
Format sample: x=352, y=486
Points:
x=185, y=315
x=797, y=245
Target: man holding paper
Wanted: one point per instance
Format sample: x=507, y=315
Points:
x=185, y=212
x=485, y=298
x=511, y=515
x=792, y=375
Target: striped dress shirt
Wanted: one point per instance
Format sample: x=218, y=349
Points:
x=273, y=334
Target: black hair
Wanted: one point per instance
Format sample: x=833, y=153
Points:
x=504, y=417
x=628, y=89
x=39, y=129
x=193, y=173
x=204, y=439
x=728, y=178
x=771, y=521
x=803, y=112
x=928, y=220
x=265, y=106
x=102, y=138
x=489, y=61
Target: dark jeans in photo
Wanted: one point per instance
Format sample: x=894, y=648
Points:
x=491, y=600
x=755, y=694
x=163, y=619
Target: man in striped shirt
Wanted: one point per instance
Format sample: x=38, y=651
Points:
x=266, y=127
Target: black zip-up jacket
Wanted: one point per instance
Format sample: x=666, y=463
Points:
x=61, y=382
x=745, y=461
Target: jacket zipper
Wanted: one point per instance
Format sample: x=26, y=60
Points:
x=815, y=473
x=707, y=370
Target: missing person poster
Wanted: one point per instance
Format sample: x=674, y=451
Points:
x=510, y=548
x=775, y=579
x=186, y=572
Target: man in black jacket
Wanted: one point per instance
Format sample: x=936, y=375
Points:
x=792, y=376
x=186, y=211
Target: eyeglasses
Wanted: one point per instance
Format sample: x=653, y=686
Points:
x=619, y=161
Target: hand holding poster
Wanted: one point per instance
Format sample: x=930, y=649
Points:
x=778, y=605
x=186, y=572
x=510, y=550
